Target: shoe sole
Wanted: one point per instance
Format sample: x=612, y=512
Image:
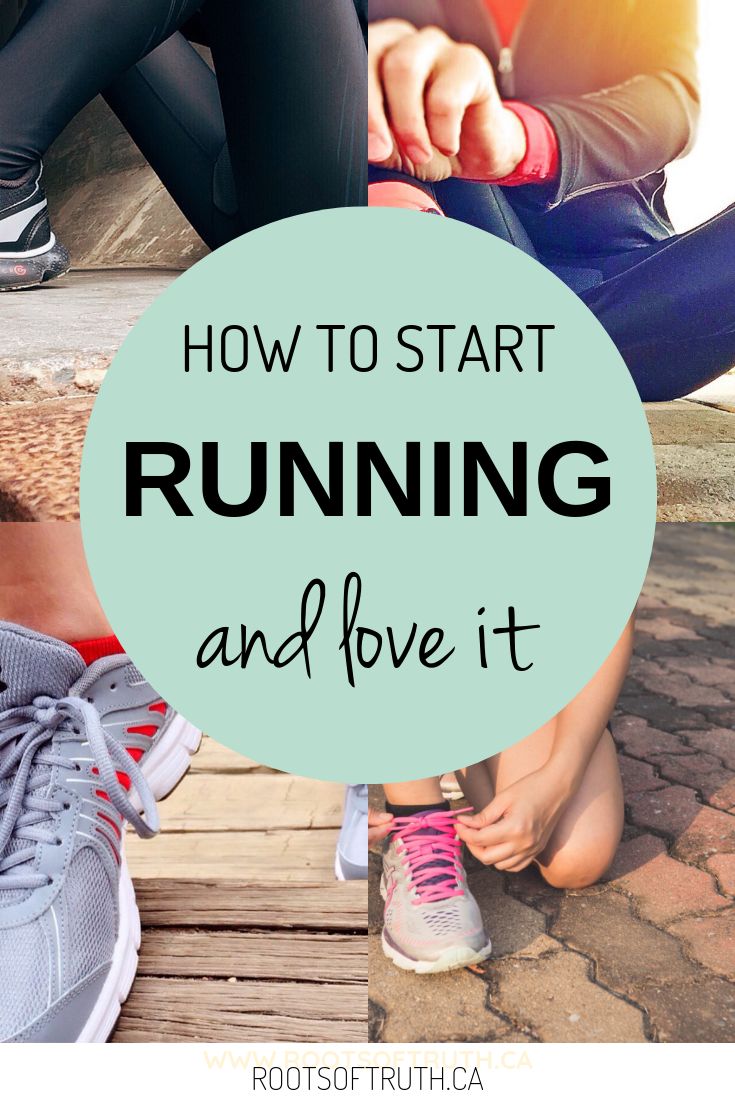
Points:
x=106, y=1011
x=339, y=872
x=169, y=760
x=29, y=272
x=166, y=765
x=460, y=956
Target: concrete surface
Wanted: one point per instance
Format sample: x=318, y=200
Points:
x=649, y=955
x=694, y=442
x=57, y=341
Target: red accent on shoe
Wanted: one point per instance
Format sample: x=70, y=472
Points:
x=159, y=706
x=134, y=752
x=147, y=729
x=107, y=819
x=110, y=843
x=102, y=795
x=92, y=649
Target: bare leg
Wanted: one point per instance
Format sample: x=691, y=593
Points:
x=586, y=836
x=45, y=584
x=410, y=793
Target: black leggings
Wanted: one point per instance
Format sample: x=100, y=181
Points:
x=280, y=130
x=669, y=306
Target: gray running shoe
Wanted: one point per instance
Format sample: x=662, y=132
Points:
x=71, y=738
x=432, y=922
x=351, y=858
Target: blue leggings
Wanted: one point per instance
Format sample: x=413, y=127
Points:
x=669, y=306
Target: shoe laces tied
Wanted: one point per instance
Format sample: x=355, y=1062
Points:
x=27, y=759
x=431, y=853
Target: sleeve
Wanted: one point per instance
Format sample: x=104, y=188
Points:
x=629, y=131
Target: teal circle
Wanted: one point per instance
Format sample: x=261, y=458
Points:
x=167, y=581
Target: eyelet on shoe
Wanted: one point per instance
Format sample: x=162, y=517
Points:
x=67, y=807
x=113, y=686
x=58, y=841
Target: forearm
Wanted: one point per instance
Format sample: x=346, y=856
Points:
x=580, y=725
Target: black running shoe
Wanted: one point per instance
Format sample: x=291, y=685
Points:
x=29, y=252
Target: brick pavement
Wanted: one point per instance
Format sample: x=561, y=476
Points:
x=649, y=955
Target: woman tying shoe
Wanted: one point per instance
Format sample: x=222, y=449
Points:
x=551, y=125
x=276, y=130
x=555, y=799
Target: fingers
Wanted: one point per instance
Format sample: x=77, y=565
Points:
x=379, y=826
x=381, y=36
x=490, y=836
x=491, y=855
x=461, y=80
x=514, y=864
x=494, y=811
x=406, y=69
x=420, y=85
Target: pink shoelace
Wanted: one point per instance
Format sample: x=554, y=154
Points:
x=430, y=851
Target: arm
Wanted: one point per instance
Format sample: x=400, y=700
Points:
x=517, y=825
x=640, y=125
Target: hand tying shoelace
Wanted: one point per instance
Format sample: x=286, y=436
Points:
x=28, y=756
x=431, y=854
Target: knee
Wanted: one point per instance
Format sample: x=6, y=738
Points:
x=581, y=864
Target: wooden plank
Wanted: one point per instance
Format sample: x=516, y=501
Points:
x=312, y=957
x=305, y=855
x=222, y=1011
x=224, y=904
x=244, y=802
x=215, y=758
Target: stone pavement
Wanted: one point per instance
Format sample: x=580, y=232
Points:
x=649, y=955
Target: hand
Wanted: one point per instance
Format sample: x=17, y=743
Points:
x=379, y=825
x=518, y=824
x=434, y=110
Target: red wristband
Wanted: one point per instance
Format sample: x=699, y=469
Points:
x=541, y=162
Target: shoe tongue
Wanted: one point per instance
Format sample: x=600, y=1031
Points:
x=444, y=867
x=34, y=665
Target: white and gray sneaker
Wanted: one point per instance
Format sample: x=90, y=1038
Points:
x=29, y=252
x=82, y=751
x=431, y=922
x=351, y=858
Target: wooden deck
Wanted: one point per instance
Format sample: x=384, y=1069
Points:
x=246, y=934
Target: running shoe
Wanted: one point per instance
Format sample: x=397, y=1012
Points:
x=351, y=858
x=402, y=195
x=432, y=922
x=29, y=252
x=82, y=751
